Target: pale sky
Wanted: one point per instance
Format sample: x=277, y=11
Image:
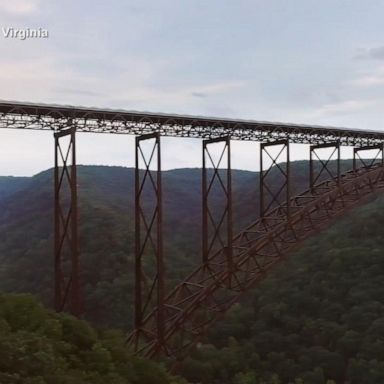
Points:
x=301, y=61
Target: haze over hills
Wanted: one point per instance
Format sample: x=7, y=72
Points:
x=106, y=212
x=282, y=332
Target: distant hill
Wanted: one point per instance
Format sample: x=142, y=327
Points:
x=318, y=318
x=106, y=210
x=12, y=184
x=106, y=201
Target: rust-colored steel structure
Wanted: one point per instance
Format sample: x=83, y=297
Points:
x=360, y=161
x=56, y=117
x=67, y=263
x=203, y=298
x=280, y=194
x=217, y=223
x=149, y=285
x=171, y=324
x=332, y=152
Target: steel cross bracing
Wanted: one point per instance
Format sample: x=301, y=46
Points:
x=360, y=160
x=217, y=223
x=171, y=324
x=205, y=295
x=54, y=117
x=66, y=245
x=332, y=152
x=275, y=188
x=217, y=218
x=149, y=285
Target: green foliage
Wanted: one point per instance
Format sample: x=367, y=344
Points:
x=40, y=347
x=106, y=209
x=317, y=319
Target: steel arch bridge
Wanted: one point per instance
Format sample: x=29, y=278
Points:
x=170, y=324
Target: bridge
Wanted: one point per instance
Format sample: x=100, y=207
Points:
x=170, y=323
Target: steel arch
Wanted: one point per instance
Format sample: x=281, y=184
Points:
x=205, y=295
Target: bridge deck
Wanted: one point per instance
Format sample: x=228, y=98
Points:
x=56, y=117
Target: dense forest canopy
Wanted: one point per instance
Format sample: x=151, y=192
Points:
x=38, y=346
x=316, y=319
x=106, y=214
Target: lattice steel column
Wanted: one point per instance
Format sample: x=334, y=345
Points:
x=67, y=259
x=149, y=285
x=217, y=224
x=378, y=157
x=316, y=176
x=271, y=195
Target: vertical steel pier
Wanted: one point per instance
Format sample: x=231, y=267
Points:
x=217, y=231
x=318, y=175
x=149, y=290
x=66, y=244
x=272, y=196
x=378, y=158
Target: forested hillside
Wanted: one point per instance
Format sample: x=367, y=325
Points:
x=106, y=210
x=106, y=200
x=41, y=347
x=318, y=318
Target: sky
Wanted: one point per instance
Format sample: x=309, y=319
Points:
x=299, y=61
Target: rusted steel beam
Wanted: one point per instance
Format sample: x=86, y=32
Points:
x=256, y=251
x=325, y=168
x=149, y=286
x=217, y=223
x=56, y=117
x=272, y=196
x=378, y=157
x=66, y=244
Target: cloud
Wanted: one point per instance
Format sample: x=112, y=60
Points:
x=376, y=53
x=345, y=107
x=199, y=94
x=220, y=87
x=216, y=88
x=28, y=85
x=75, y=92
x=370, y=79
x=129, y=86
x=19, y=7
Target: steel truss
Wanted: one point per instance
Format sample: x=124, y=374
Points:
x=149, y=290
x=326, y=169
x=55, y=117
x=66, y=244
x=181, y=318
x=271, y=195
x=217, y=226
x=378, y=158
x=256, y=251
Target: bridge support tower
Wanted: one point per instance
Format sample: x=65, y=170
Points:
x=66, y=242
